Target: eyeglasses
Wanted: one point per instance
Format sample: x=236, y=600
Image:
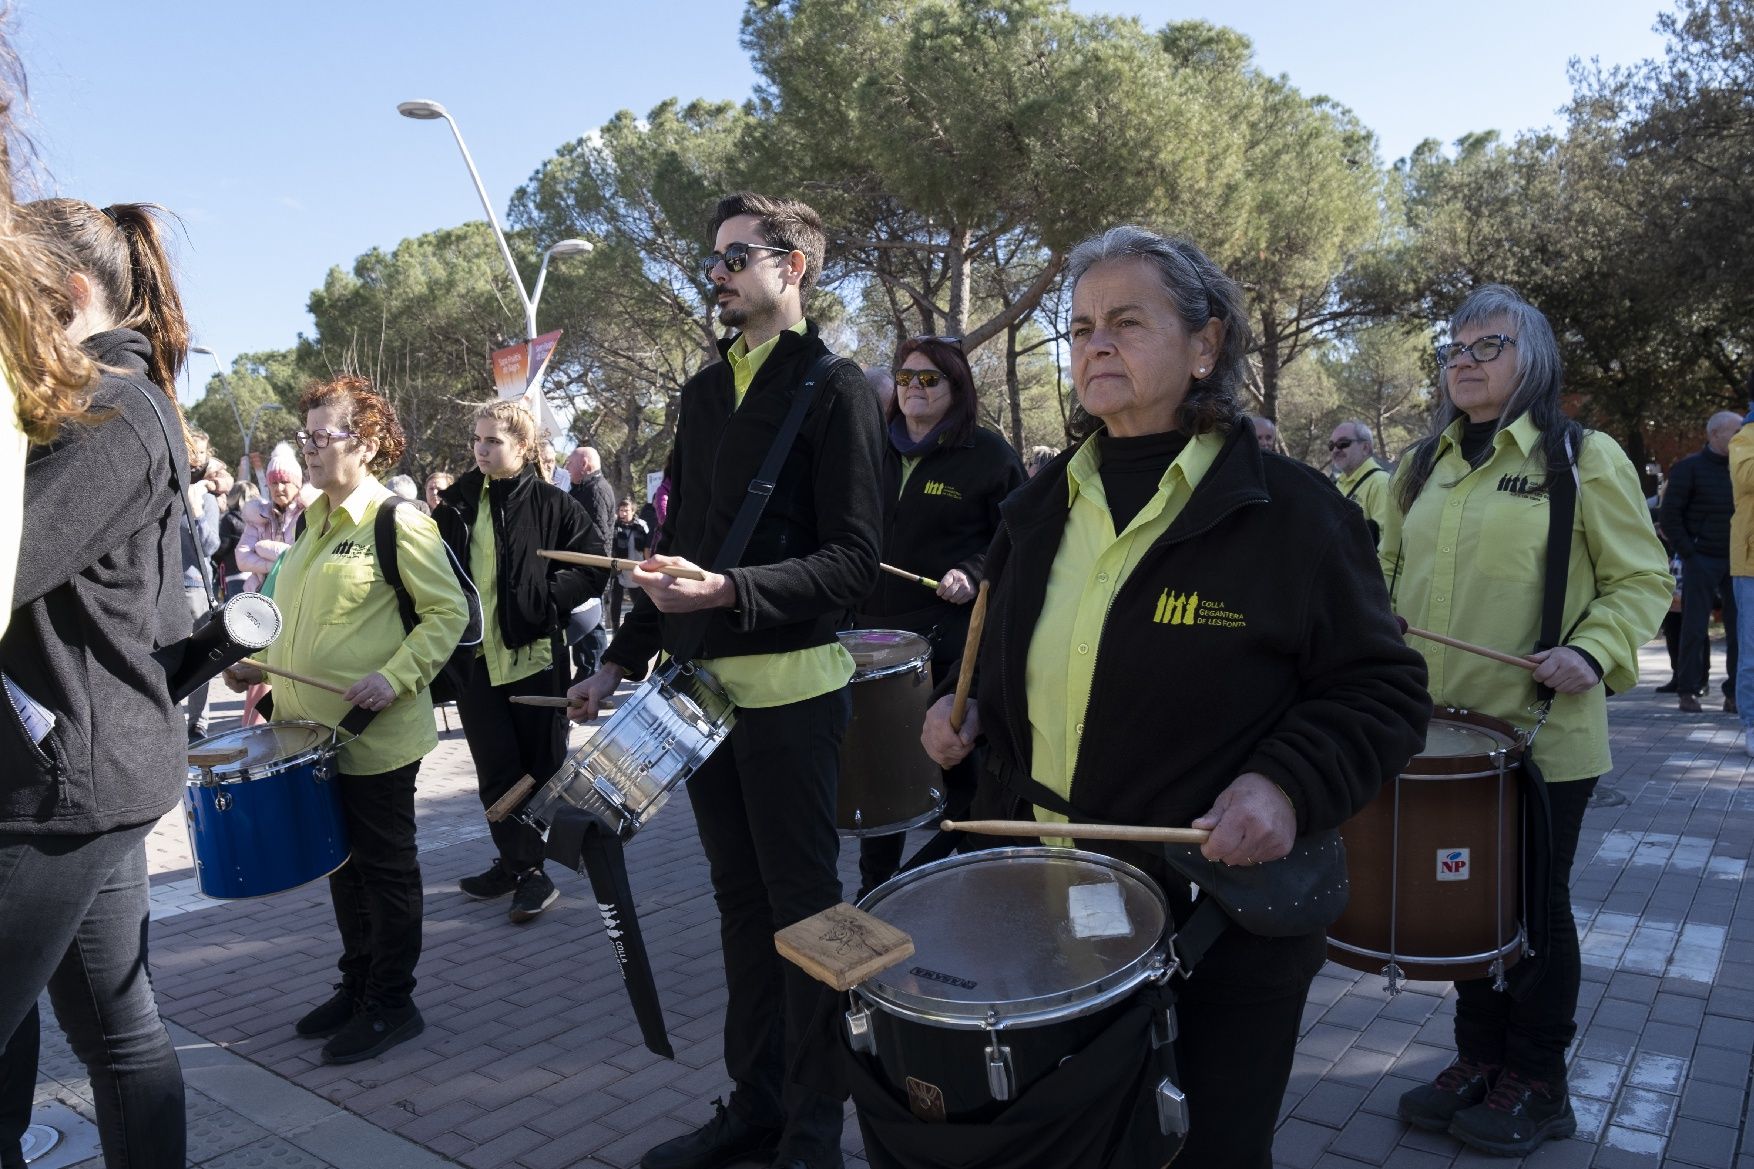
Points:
x=321, y=438
x=735, y=257
x=936, y=337
x=926, y=377
x=1481, y=351
x=1342, y=444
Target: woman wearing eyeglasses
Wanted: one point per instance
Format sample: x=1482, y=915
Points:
x=1465, y=554
x=943, y=479
x=341, y=623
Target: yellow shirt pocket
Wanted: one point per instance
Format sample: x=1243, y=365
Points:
x=1512, y=543
x=343, y=590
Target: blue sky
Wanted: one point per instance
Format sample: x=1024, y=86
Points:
x=271, y=129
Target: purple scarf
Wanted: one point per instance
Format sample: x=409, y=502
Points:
x=906, y=447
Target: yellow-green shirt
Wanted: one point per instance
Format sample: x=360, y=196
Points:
x=1372, y=494
x=760, y=680
x=341, y=623
x=1469, y=559
x=1742, y=483
x=1088, y=570
x=503, y=664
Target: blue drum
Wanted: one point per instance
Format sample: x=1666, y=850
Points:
x=268, y=818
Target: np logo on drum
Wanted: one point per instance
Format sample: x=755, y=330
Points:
x=1453, y=864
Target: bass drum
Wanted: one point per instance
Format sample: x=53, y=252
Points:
x=888, y=783
x=1435, y=861
x=269, y=820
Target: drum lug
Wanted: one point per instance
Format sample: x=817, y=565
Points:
x=1001, y=1075
x=858, y=819
x=859, y=1036
x=1164, y=1030
x=1394, y=976
x=1498, y=982
x=323, y=771
x=222, y=801
x=1172, y=1109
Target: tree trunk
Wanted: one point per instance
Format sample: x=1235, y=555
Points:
x=1014, y=388
x=1269, y=363
x=961, y=264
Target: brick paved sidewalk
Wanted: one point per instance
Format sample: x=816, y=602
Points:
x=531, y=1058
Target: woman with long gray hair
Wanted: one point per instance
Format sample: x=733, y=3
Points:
x=1465, y=553
x=1143, y=663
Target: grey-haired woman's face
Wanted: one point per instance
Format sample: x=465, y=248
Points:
x=1480, y=389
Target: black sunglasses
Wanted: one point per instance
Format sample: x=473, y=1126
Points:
x=1342, y=444
x=735, y=257
x=926, y=377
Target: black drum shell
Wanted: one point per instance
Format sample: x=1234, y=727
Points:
x=887, y=781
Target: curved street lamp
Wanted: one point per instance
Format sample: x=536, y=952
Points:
x=566, y=247
x=231, y=398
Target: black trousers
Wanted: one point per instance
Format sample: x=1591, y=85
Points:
x=508, y=742
x=1705, y=581
x=1530, y=1033
x=377, y=894
x=765, y=802
x=18, y=1081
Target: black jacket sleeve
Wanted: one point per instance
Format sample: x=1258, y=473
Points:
x=571, y=530
x=1673, y=515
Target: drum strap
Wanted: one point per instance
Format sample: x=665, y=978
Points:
x=1561, y=507
x=180, y=466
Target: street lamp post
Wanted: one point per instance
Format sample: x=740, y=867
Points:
x=231, y=398
x=250, y=438
x=431, y=111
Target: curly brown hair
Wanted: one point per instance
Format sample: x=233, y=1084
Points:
x=369, y=415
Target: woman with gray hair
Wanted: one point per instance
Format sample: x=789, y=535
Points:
x=1466, y=554
x=1290, y=700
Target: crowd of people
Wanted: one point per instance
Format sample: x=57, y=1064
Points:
x=1294, y=701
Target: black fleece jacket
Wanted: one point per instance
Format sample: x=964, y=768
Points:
x=813, y=556
x=943, y=518
x=1291, y=664
x=535, y=594
x=99, y=589
x=1698, y=504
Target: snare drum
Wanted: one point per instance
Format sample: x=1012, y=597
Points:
x=1435, y=860
x=1021, y=957
x=887, y=781
x=271, y=820
x=659, y=737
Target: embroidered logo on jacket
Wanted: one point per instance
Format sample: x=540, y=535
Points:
x=933, y=487
x=1190, y=609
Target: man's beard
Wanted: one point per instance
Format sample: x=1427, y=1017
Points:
x=743, y=307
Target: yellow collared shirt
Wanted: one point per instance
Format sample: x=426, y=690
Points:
x=503, y=664
x=1089, y=569
x=1372, y=494
x=762, y=680
x=1469, y=559
x=1742, y=483
x=340, y=623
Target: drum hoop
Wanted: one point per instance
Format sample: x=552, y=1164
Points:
x=1503, y=951
x=1470, y=764
x=917, y=661
x=243, y=773
x=692, y=683
x=1099, y=994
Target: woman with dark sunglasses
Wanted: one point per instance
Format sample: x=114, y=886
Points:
x=1465, y=550
x=943, y=479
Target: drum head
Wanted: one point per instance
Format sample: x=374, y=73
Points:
x=266, y=744
x=1031, y=935
x=878, y=651
x=1459, y=742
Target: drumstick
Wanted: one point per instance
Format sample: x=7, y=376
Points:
x=508, y=803
x=1135, y=832
x=977, y=622
x=539, y=700
x=906, y=575
x=1468, y=647
x=616, y=564
x=308, y=681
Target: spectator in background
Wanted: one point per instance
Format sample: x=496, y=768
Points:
x=1696, y=513
x=435, y=483
x=219, y=480
x=270, y=526
x=1358, y=475
x=231, y=529
x=1039, y=457
x=405, y=486
x=882, y=384
x=1266, y=433
x=204, y=510
x=1741, y=455
x=633, y=541
x=595, y=495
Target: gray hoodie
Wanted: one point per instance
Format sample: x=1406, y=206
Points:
x=100, y=587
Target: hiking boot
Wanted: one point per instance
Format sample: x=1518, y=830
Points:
x=1516, y=1116
x=322, y=1022
x=495, y=883
x=1462, y=1084
x=373, y=1031
x=1689, y=704
x=726, y=1139
x=535, y=893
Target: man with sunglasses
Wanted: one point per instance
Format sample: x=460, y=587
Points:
x=765, y=630
x=1358, y=475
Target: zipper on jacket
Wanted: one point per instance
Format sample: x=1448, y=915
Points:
x=43, y=758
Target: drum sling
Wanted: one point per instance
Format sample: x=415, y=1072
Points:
x=1100, y=1108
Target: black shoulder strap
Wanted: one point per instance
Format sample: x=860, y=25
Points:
x=180, y=466
x=761, y=487
x=1561, y=508
x=384, y=536
x=1361, y=480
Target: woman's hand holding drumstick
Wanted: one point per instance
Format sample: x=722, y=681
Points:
x=953, y=724
x=372, y=692
x=1562, y=668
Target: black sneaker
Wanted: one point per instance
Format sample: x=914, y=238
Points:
x=535, y=893
x=1517, y=1115
x=1669, y=687
x=724, y=1140
x=1462, y=1084
x=322, y=1022
x=373, y=1031
x=495, y=883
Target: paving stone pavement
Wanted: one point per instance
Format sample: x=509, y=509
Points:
x=531, y=1058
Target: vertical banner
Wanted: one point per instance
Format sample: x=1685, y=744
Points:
x=517, y=373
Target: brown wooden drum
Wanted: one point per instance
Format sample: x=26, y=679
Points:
x=887, y=781
x=1435, y=861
